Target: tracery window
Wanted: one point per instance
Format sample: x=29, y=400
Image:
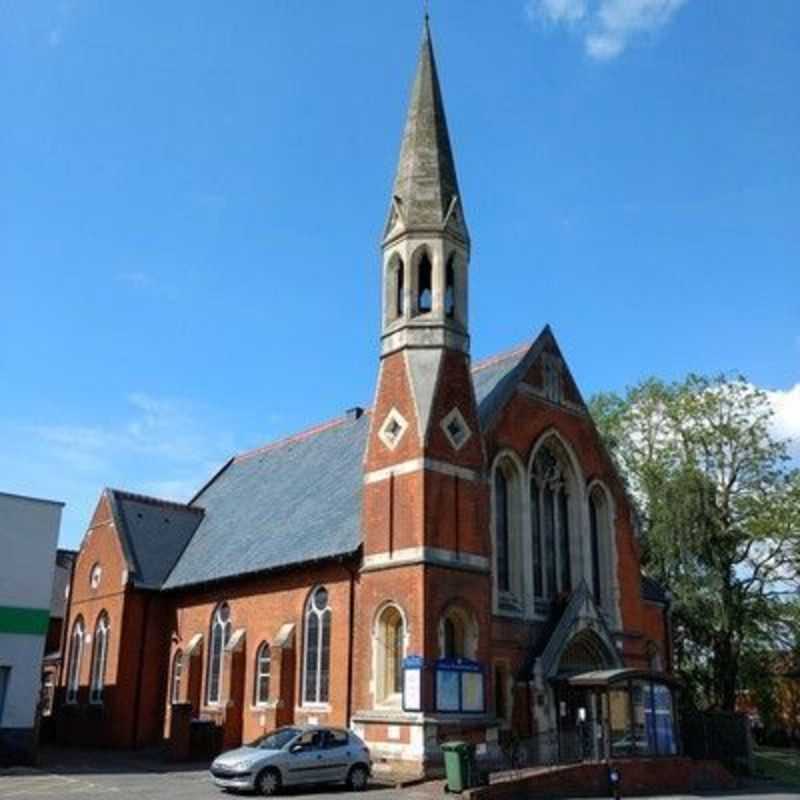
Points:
x=317, y=647
x=221, y=629
x=99, y=659
x=550, y=493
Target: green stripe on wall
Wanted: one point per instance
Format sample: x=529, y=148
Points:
x=32, y=621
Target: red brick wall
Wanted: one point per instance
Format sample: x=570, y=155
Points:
x=261, y=606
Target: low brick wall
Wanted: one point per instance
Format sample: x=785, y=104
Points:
x=639, y=776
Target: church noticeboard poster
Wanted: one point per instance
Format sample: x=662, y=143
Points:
x=459, y=686
x=448, y=690
x=472, y=691
x=412, y=683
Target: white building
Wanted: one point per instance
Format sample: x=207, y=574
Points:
x=28, y=538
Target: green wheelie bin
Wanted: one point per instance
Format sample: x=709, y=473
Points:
x=459, y=765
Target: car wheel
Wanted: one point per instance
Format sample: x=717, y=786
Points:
x=357, y=778
x=268, y=782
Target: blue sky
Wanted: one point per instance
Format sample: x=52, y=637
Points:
x=193, y=193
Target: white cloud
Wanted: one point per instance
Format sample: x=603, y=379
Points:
x=166, y=447
x=786, y=404
x=555, y=11
x=605, y=26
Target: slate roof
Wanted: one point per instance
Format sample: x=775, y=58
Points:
x=493, y=376
x=154, y=533
x=296, y=500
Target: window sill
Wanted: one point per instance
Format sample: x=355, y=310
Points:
x=321, y=707
x=270, y=705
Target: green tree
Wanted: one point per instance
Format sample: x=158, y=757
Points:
x=720, y=516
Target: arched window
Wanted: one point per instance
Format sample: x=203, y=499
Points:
x=177, y=675
x=399, y=286
x=502, y=531
x=507, y=510
x=596, y=508
x=458, y=634
x=75, y=659
x=551, y=487
x=263, y=671
x=450, y=287
x=221, y=629
x=389, y=646
x=317, y=647
x=99, y=659
x=424, y=285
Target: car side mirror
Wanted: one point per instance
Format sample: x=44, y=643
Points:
x=296, y=748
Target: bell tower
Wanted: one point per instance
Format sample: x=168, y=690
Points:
x=425, y=528
x=426, y=242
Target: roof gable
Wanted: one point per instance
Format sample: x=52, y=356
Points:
x=528, y=371
x=153, y=534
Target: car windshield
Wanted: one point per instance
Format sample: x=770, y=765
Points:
x=276, y=739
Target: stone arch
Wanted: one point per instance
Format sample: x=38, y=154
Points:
x=422, y=280
x=390, y=638
x=465, y=631
x=601, y=512
x=585, y=652
x=507, y=530
x=558, y=516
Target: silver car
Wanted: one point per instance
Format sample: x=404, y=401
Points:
x=293, y=756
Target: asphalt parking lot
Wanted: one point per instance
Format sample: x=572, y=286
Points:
x=95, y=774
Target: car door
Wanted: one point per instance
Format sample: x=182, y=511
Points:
x=306, y=759
x=337, y=754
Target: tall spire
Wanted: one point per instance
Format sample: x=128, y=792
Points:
x=425, y=193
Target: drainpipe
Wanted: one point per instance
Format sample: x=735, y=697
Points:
x=351, y=629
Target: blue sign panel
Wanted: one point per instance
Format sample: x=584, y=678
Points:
x=459, y=686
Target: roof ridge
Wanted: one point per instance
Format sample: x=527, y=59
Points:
x=153, y=501
x=295, y=437
x=503, y=356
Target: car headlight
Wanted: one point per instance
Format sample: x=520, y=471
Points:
x=240, y=766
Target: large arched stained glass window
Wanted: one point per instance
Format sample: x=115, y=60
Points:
x=551, y=491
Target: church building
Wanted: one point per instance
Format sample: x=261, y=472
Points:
x=460, y=561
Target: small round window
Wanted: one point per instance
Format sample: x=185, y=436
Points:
x=95, y=575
